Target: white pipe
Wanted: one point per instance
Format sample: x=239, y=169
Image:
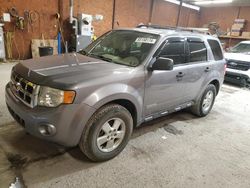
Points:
x=71, y=11
x=71, y=16
x=75, y=27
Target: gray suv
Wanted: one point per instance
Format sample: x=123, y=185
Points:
x=95, y=98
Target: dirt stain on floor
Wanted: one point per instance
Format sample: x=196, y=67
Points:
x=172, y=130
x=16, y=160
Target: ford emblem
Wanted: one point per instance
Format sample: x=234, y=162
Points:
x=18, y=86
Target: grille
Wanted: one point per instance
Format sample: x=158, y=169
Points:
x=238, y=65
x=24, y=90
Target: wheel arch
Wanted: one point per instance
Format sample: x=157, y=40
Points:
x=213, y=81
x=216, y=83
x=130, y=106
x=122, y=94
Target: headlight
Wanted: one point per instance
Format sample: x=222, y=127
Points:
x=51, y=97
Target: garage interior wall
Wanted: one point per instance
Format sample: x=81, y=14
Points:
x=165, y=13
x=45, y=24
x=225, y=16
x=128, y=13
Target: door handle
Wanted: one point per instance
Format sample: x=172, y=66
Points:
x=207, y=69
x=180, y=75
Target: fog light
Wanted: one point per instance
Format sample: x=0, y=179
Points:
x=47, y=130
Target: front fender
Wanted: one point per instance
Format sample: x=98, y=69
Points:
x=109, y=93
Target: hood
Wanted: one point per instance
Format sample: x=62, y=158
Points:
x=66, y=70
x=237, y=57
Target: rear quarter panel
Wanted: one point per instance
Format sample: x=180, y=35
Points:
x=217, y=68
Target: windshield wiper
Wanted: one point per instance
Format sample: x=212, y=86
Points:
x=101, y=57
x=84, y=52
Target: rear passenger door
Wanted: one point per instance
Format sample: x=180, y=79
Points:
x=197, y=66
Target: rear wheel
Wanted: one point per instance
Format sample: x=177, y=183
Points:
x=243, y=82
x=107, y=133
x=206, y=101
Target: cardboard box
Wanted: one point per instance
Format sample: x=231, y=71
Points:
x=238, y=26
x=242, y=21
x=236, y=33
x=236, y=30
x=245, y=34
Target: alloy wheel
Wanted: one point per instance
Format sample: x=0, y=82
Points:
x=207, y=101
x=111, y=135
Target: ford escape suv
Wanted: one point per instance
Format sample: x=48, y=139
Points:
x=96, y=97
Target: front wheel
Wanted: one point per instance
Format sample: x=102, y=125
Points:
x=107, y=133
x=206, y=102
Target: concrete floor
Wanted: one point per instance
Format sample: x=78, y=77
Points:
x=178, y=150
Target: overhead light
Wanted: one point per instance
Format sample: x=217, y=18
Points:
x=191, y=6
x=184, y=4
x=174, y=1
x=213, y=2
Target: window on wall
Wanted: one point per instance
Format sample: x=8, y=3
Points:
x=216, y=49
x=175, y=51
x=198, y=51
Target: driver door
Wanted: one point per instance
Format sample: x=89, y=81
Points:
x=165, y=90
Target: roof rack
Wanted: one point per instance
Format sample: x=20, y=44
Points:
x=190, y=29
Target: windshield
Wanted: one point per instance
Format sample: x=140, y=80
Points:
x=241, y=48
x=123, y=47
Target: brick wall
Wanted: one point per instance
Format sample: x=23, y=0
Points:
x=45, y=23
x=166, y=14
x=129, y=13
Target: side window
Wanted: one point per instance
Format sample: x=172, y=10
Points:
x=216, y=49
x=174, y=50
x=198, y=51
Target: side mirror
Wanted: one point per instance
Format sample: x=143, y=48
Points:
x=162, y=63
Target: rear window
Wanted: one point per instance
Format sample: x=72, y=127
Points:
x=216, y=49
x=198, y=51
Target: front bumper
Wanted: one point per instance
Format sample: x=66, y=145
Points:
x=69, y=120
x=237, y=76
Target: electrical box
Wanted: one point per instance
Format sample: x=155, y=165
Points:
x=6, y=17
x=84, y=31
x=80, y=42
x=85, y=24
x=2, y=49
x=83, y=38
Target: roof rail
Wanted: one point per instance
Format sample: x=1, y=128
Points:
x=190, y=29
x=156, y=27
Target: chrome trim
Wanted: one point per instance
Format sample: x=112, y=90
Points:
x=178, y=108
x=164, y=113
x=17, y=86
x=149, y=118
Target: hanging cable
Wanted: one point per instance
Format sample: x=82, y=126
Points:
x=60, y=28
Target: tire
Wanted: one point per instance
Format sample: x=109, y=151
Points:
x=103, y=126
x=243, y=82
x=200, y=109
